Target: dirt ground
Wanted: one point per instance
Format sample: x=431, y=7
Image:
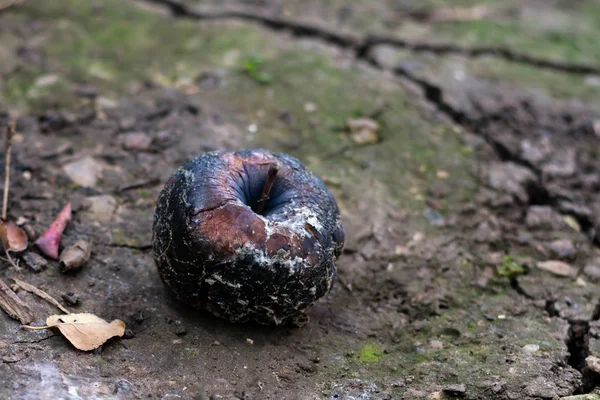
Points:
x=472, y=262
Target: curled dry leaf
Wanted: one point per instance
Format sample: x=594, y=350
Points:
x=73, y=257
x=13, y=238
x=48, y=242
x=85, y=331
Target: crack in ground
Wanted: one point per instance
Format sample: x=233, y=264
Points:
x=433, y=93
x=362, y=45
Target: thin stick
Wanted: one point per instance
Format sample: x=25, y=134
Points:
x=32, y=289
x=271, y=174
x=35, y=328
x=12, y=262
x=10, y=133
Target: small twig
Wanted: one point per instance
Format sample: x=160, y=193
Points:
x=10, y=133
x=271, y=174
x=35, y=328
x=32, y=289
x=11, y=261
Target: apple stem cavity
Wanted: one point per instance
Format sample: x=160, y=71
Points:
x=271, y=174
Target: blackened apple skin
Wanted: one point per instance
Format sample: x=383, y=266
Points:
x=216, y=253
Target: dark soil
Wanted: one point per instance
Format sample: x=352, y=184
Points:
x=440, y=290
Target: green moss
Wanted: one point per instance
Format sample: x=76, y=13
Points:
x=509, y=268
x=370, y=353
x=111, y=44
x=573, y=40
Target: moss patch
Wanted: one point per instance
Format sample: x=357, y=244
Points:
x=370, y=353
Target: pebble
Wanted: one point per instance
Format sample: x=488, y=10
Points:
x=593, y=363
x=363, y=130
x=531, y=348
x=136, y=141
x=180, y=330
x=71, y=298
x=592, y=271
x=511, y=178
x=456, y=390
x=436, y=344
x=562, y=248
x=102, y=207
x=439, y=190
x=542, y=217
x=558, y=268
x=83, y=172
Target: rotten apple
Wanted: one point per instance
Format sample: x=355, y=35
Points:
x=247, y=235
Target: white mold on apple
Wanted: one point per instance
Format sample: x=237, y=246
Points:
x=247, y=235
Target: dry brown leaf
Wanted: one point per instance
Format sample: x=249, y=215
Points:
x=85, y=331
x=13, y=238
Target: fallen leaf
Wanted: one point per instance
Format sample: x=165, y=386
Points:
x=572, y=222
x=13, y=238
x=48, y=242
x=85, y=331
x=73, y=257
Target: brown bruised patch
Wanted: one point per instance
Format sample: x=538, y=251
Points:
x=277, y=242
x=231, y=227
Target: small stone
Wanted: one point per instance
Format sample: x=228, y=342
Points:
x=563, y=248
x=30, y=232
x=542, y=217
x=102, y=207
x=434, y=217
x=35, y=262
x=441, y=174
x=363, y=130
x=531, y=348
x=512, y=178
x=71, y=298
x=558, y=268
x=136, y=141
x=249, y=341
x=439, y=190
x=593, y=363
x=83, y=172
x=592, y=271
x=487, y=231
x=129, y=334
x=455, y=390
x=180, y=330
x=46, y=80
x=105, y=103
x=310, y=107
x=563, y=164
x=436, y=344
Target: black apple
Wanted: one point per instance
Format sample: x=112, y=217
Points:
x=247, y=235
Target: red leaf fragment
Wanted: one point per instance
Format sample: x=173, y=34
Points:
x=48, y=242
